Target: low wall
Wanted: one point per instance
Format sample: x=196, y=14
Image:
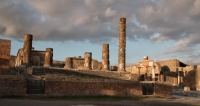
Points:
x=68, y=88
x=163, y=90
x=12, y=85
x=61, y=88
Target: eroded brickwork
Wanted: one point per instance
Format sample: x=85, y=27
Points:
x=37, y=57
x=169, y=65
x=5, y=46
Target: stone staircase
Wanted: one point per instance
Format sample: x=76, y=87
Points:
x=38, y=71
x=35, y=85
x=83, y=74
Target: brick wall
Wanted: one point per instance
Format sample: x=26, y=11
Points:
x=68, y=88
x=37, y=54
x=4, y=56
x=12, y=85
x=78, y=63
x=61, y=88
x=163, y=90
x=169, y=65
x=189, y=80
x=12, y=62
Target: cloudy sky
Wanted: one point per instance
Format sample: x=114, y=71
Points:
x=161, y=29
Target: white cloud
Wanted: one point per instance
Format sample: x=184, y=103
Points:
x=109, y=12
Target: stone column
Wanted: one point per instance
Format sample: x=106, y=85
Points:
x=27, y=48
x=162, y=78
x=153, y=74
x=68, y=63
x=197, y=79
x=122, y=45
x=146, y=75
x=48, y=59
x=88, y=60
x=138, y=74
x=105, y=57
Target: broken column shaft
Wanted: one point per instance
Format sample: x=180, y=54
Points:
x=27, y=48
x=105, y=57
x=48, y=60
x=122, y=45
x=88, y=60
x=68, y=63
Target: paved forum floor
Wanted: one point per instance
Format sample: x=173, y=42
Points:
x=178, y=101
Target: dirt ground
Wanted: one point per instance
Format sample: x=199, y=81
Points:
x=144, y=102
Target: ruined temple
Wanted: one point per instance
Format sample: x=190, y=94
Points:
x=35, y=72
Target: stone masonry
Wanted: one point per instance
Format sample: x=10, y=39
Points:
x=4, y=56
x=122, y=45
x=88, y=60
x=27, y=48
x=105, y=57
x=68, y=63
x=48, y=57
x=198, y=79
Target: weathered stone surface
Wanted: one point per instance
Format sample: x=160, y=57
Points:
x=105, y=57
x=27, y=48
x=122, y=45
x=163, y=90
x=95, y=64
x=113, y=68
x=197, y=79
x=69, y=63
x=5, y=46
x=88, y=60
x=99, y=66
x=12, y=85
x=189, y=80
x=48, y=61
x=57, y=88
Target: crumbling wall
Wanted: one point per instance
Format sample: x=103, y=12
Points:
x=169, y=65
x=12, y=62
x=4, y=56
x=95, y=64
x=189, y=79
x=78, y=63
x=37, y=57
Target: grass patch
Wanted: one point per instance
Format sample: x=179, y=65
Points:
x=39, y=97
x=12, y=97
x=95, y=97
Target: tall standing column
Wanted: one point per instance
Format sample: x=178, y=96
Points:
x=27, y=48
x=48, y=59
x=122, y=45
x=88, y=60
x=197, y=78
x=105, y=57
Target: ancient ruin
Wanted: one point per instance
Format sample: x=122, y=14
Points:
x=27, y=48
x=105, y=57
x=122, y=45
x=48, y=57
x=35, y=72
